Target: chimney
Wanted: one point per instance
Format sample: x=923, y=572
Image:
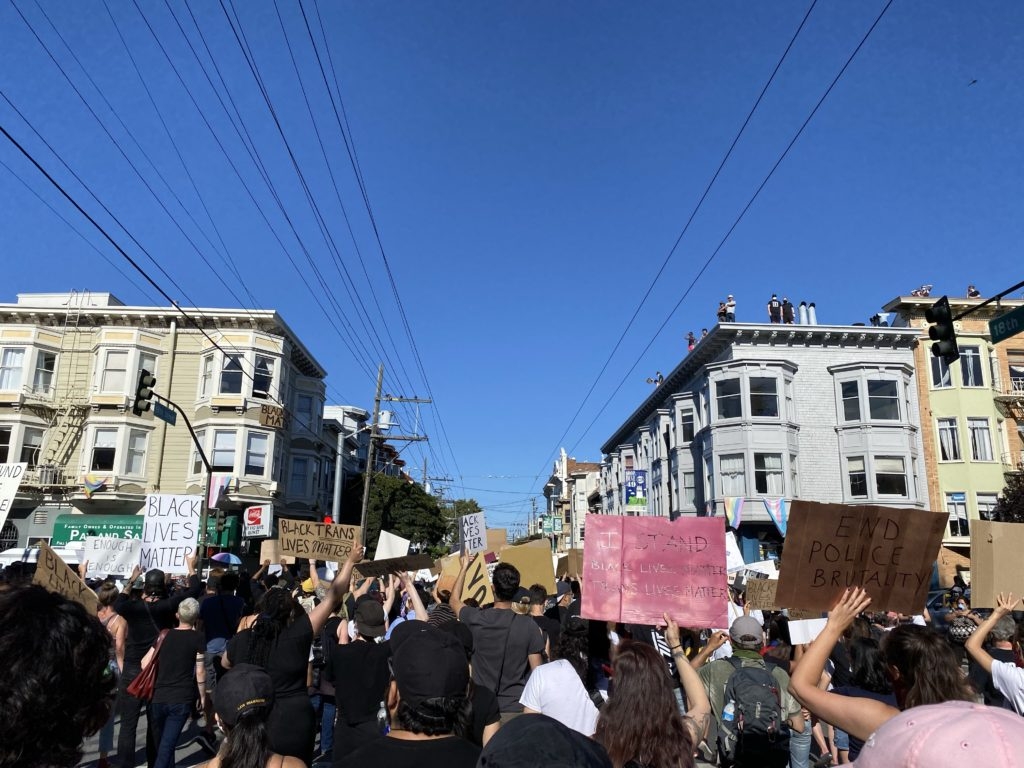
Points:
x=812, y=315
x=803, y=313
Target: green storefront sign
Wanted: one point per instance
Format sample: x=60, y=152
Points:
x=68, y=529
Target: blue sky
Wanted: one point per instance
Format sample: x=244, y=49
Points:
x=529, y=166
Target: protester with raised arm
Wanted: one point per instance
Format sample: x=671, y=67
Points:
x=1007, y=677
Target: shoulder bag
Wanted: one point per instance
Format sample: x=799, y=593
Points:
x=141, y=687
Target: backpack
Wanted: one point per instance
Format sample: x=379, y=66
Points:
x=752, y=722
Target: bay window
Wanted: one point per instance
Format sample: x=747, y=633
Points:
x=31, y=443
x=727, y=395
x=256, y=454
x=768, y=474
x=223, y=457
x=104, y=449
x=890, y=476
x=764, y=397
x=135, y=456
x=11, y=361
x=734, y=481
x=114, y=377
x=231, y=375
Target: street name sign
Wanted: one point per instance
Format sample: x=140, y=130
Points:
x=1007, y=325
x=164, y=413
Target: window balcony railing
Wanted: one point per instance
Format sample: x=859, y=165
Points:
x=1013, y=461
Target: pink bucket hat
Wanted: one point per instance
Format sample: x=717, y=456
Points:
x=954, y=733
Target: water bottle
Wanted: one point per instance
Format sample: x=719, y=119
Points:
x=729, y=712
x=382, y=720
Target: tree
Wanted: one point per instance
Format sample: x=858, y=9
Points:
x=400, y=507
x=1010, y=505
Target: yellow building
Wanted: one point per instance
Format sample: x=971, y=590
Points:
x=69, y=367
x=971, y=413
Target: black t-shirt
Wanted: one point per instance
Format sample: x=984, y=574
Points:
x=485, y=712
x=288, y=660
x=176, y=673
x=360, y=674
x=502, y=644
x=145, y=620
x=840, y=658
x=551, y=628
x=982, y=680
x=445, y=752
x=220, y=615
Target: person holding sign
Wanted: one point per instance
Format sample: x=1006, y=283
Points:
x=280, y=641
x=1007, y=677
x=56, y=679
x=921, y=663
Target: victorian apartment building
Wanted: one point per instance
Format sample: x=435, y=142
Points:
x=971, y=413
x=69, y=365
x=571, y=493
x=761, y=412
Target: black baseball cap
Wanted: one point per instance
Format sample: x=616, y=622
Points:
x=533, y=740
x=427, y=662
x=244, y=688
x=369, y=618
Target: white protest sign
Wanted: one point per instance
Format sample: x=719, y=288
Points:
x=170, y=531
x=10, y=479
x=389, y=545
x=472, y=533
x=111, y=556
x=258, y=522
x=805, y=631
x=733, y=557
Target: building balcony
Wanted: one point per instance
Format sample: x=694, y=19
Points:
x=1013, y=462
x=1009, y=399
x=48, y=478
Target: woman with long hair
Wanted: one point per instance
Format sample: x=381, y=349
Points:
x=117, y=628
x=280, y=641
x=870, y=680
x=640, y=725
x=920, y=663
x=558, y=689
x=243, y=701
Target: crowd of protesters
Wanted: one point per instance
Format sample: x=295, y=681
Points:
x=296, y=670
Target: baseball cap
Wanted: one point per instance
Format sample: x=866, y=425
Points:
x=427, y=663
x=747, y=632
x=307, y=585
x=533, y=740
x=951, y=733
x=563, y=588
x=244, y=688
x=369, y=618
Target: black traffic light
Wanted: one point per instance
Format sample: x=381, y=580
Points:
x=942, y=332
x=144, y=392
x=221, y=521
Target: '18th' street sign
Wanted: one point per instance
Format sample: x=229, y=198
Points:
x=1005, y=326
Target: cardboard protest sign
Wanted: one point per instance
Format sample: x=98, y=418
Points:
x=270, y=551
x=996, y=562
x=310, y=540
x=472, y=533
x=380, y=568
x=637, y=568
x=170, y=531
x=111, y=556
x=575, y=565
x=389, y=546
x=534, y=564
x=496, y=539
x=478, y=581
x=761, y=594
x=562, y=566
x=887, y=551
x=56, y=576
x=10, y=479
x=447, y=572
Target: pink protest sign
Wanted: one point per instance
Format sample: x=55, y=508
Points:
x=637, y=568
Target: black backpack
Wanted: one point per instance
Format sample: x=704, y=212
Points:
x=752, y=720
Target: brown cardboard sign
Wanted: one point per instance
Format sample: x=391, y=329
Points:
x=270, y=551
x=534, y=564
x=996, y=562
x=761, y=594
x=886, y=550
x=379, y=568
x=496, y=539
x=56, y=576
x=478, y=580
x=310, y=540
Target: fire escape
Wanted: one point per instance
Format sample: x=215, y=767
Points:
x=1010, y=402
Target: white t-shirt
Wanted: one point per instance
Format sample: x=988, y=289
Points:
x=555, y=690
x=1008, y=679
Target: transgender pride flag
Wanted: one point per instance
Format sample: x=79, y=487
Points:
x=778, y=513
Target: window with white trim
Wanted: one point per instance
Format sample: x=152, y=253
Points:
x=12, y=361
x=299, y=484
x=941, y=374
x=851, y=400
x=949, y=440
x=986, y=504
x=42, y=379
x=956, y=508
x=858, y=477
x=304, y=410
x=768, y=474
x=727, y=396
x=734, y=480
x=981, y=439
x=971, y=367
x=147, y=362
x=104, y=449
x=263, y=377
x=891, y=476
x=686, y=421
x=197, y=459
x=206, y=376
x=114, y=376
x=764, y=397
x=689, y=490
x=884, y=400
x=256, y=453
x=31, y=443
x=6, y=435
x=222, y=458
x=135, y=456
x=231, y=375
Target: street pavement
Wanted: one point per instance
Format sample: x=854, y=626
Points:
x=188, y=753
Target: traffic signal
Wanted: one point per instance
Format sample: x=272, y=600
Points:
x=942, y=333
x=144, y=392
x=221, y=521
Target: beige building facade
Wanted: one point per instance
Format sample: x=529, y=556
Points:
x=69, y=367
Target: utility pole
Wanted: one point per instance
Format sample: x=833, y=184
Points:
x=375, y=436
x=533, y=515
